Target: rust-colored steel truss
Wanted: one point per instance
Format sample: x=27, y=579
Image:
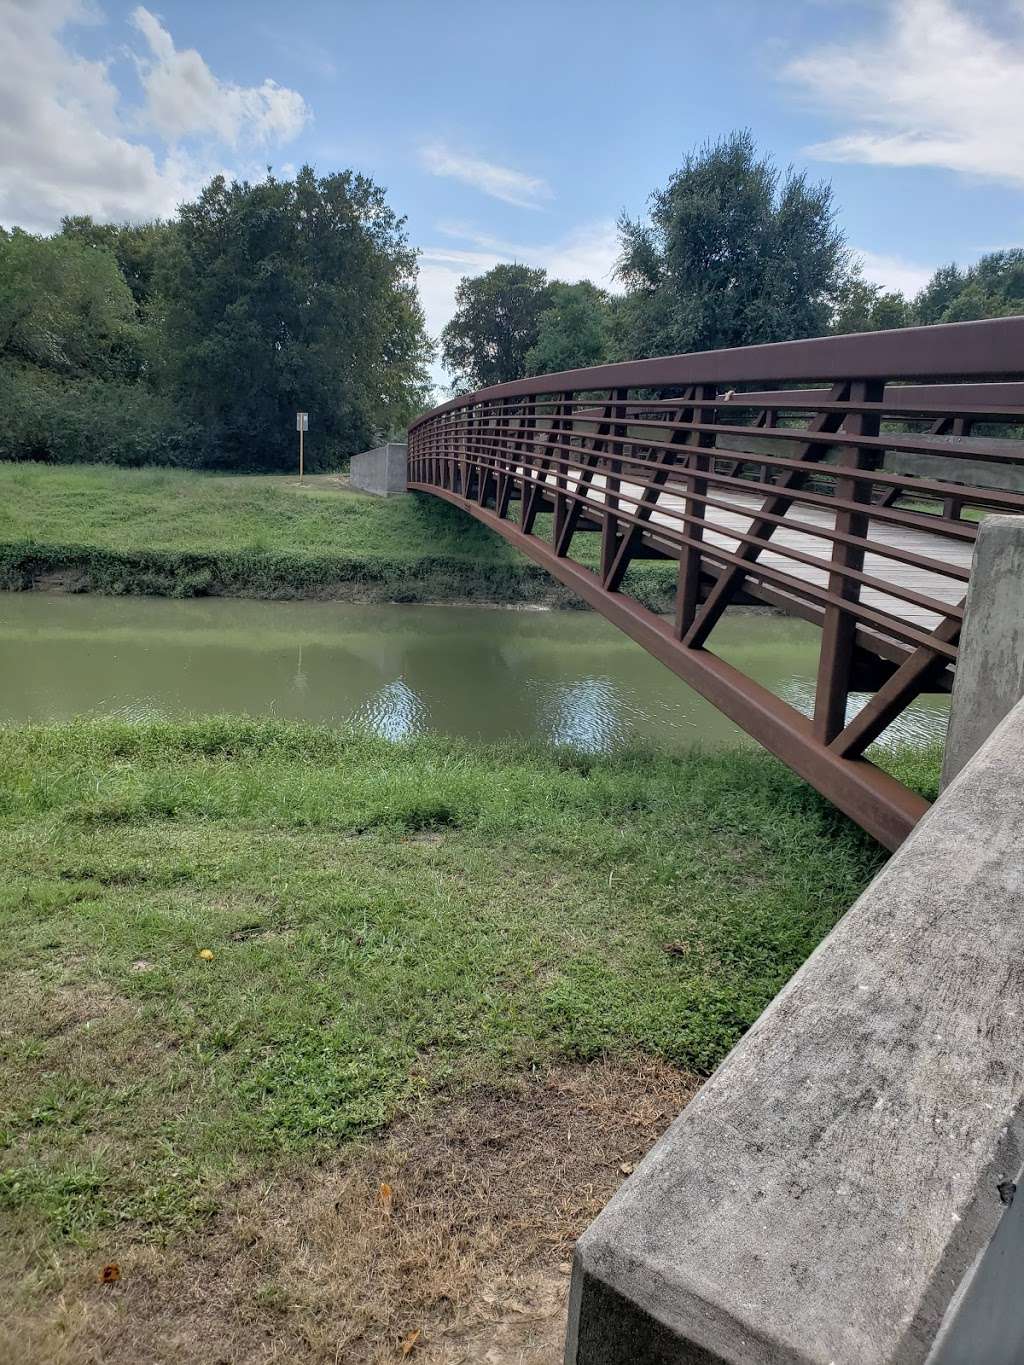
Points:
x=853, y=505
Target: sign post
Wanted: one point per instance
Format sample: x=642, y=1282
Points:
x=301, y=426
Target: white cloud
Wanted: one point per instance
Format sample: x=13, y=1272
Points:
x=185, y=99
x=66, y=143
x=892, y=272
x=588, y=253
x=936, y=88
x=500, y=182
x=585, y=253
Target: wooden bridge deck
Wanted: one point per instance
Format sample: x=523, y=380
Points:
x=923, y=581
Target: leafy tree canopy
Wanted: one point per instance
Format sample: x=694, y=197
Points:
x=572, y=331
x=991, y=289
x=288, y=295
x=865, y=307
x=138, y=248
x=733, y=253
x=496, y=322
x=196, y=341
x=66, y=307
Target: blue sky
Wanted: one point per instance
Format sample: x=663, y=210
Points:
x=522, y=131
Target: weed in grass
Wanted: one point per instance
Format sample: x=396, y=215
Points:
x=389, y=923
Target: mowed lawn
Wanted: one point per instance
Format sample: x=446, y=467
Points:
x=184, y=533
x=239, y=957
x=172, y=509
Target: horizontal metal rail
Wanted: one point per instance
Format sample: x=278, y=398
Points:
x=785, y=495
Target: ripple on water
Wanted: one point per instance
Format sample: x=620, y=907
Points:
x=393, y=712
x=920, y=724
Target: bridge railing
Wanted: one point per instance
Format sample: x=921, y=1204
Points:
x=840, y=480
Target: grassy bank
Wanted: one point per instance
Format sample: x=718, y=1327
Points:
x=93, y=528
x=505, y=943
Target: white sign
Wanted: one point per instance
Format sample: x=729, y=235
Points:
x=302, y=421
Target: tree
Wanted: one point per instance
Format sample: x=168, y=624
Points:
x=992, y=288
x=497, y=316
x=865, y=307
x=65, y=307
x=76, y=361
x=572, y=331
x=733, y=253
x=140, y=250
x=288, y=295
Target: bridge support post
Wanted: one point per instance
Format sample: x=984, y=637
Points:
x=846, y=1189
x=990, y=669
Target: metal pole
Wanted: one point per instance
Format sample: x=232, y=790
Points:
x=301, y=434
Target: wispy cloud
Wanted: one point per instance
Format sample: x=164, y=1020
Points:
x=893, y=272
x=939, y=86
x=586, y=253
x=500, y=182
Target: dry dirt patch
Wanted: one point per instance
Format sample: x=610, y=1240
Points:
x=451, y=1236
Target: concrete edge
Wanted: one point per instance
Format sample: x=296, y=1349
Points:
x=671, y=1275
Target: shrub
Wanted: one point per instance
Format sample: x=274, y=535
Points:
x=59, y=419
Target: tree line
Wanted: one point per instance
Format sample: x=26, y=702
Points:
x=732, y=253
x=194, y=341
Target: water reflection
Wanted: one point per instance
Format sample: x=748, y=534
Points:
x=393, y=712
x=565, y=677
x=919, y=725
x=300, y=681
x=586, y=714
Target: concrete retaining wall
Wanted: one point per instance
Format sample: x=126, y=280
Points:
x=381, y=471
x=841, y=1191
x=990, y=671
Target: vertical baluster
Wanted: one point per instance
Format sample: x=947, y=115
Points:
x=612, y=484
x=835, y=663
x=527, y=453
x=561, y=452
x=952, y=506
x=469, y=427
x=688, y=585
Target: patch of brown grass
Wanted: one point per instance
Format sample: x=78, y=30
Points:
x=458, y=1225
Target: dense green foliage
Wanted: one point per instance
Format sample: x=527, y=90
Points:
x=733, y=253
x=866, y=307
x=179, y=533
x=307, y=288
x=384, y=920
x=496, y=320
x=512, y=321
x=138, y=248
x=66, y=307
x=194, y=342
x=992, y=288
x=573, y=331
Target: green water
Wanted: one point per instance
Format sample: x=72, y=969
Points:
x=562, y=677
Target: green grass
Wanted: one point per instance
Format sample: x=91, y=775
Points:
x=935, y=508
x=387, y=923
x=183, y=534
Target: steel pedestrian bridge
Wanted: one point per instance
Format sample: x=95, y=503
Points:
x=839, y=480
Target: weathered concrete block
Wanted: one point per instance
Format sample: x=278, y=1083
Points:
x=950, y=469
x=380, y=471
x=990, y=669
x=833, y=1193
